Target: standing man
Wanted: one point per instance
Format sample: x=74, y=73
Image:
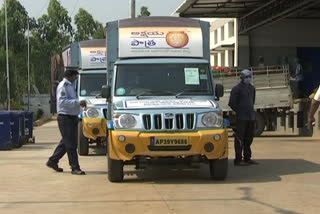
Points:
x=68, y=108
x=241, y=101
x=297, y=79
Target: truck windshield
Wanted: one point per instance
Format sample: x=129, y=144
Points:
x=91, y=84
x=163, y=80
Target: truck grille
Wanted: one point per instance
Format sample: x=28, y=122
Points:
x=171, y=122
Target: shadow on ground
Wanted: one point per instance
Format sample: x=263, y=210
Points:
x=35, y=147
x=269, y=170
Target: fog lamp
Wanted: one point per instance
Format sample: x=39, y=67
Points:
x=208, y=147
x=122, y=138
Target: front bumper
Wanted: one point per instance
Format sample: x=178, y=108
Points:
x=144, y=146
x=94, y=127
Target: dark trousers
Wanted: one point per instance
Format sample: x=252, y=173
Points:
x=68, y=128
x=243, y=139
x=297, y=89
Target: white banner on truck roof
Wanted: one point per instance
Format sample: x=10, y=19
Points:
x=93, y=57
x=160, y=42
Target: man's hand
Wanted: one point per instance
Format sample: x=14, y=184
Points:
x=83, y=104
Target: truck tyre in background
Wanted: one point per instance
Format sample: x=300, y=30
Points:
x=259, y=125
x=218, y=169
x=20, y=142
x=115, y=170
x=83, y=144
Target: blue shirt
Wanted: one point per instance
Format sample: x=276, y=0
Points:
x=299, y=73
x=242, y=100
x=67, y=99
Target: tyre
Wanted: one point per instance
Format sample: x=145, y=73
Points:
x=8, y=146
x=259, y=125
x=218, y=169
x=19, y=143
x=115, y=170
x=83, y=144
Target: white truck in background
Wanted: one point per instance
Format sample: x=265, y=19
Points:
x=90, y=59
x=274, y=97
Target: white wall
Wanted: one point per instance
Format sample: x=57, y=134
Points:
x=223, y=33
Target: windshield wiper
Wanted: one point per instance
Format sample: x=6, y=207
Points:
x=188, y=91
x=98, y=95
x=151, y=93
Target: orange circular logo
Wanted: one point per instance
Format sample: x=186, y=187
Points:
x=177, y=39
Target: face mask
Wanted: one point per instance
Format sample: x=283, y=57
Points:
x=247, y=80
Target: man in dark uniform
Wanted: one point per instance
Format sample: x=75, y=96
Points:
x=241, y=101
x=68, y=108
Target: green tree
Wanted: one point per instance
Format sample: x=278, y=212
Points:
x=87, y=27
x=56, y=26
x=17, y=27
x=144, y=11
x=100, y=31
x=51, y=34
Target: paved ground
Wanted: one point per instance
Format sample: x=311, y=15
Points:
x=287, y=181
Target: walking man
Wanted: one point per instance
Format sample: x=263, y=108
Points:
x=68, y=108
x=241, y=101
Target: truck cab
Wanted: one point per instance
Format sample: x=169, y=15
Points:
x=93, y=124
x=89, y=57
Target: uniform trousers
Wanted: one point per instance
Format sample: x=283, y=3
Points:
x=68, y=125
x=243, y=139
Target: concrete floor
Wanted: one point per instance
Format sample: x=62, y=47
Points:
x=287, y=181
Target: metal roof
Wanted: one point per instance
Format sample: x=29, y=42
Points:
x=218, y=8
x=251, y=13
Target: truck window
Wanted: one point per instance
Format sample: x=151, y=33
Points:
x=91, y=84
x=163, y=79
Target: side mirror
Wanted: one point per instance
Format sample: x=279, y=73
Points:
x=106, y=91
x=219, y=90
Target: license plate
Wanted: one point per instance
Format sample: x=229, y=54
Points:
x=169, y=141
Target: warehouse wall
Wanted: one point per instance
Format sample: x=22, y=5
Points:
x=282, y=38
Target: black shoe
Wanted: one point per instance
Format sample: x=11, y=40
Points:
x=240, y=163
x=251, y=162
x=54, y=166
x=77, y=172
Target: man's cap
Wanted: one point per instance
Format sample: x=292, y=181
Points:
x=245, y=73
x=71, y=70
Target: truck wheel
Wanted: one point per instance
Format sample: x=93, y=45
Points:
x=83, y=144
x=8, y=146
x=115, y=170
x=218, y=169
x=259, y=125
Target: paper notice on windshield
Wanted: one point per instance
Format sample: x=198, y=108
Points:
x=191, y=76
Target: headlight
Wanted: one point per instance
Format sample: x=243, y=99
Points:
x=92, y=112
x=126, y=121
x=210, y=120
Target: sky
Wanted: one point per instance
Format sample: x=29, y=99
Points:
x=103, y=10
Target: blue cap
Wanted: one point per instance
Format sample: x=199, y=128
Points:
x=245, y=73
